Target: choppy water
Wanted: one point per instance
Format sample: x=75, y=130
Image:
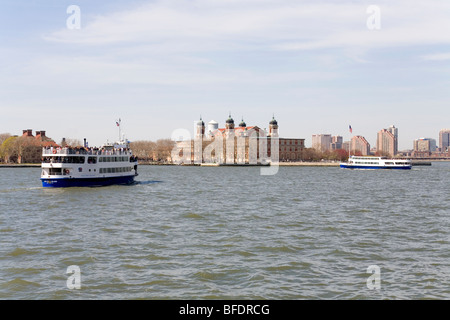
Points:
x=228, y=232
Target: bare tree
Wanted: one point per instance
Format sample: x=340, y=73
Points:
x=164, y=149
x=71, y=142
x=3, y=137
x=145, y=150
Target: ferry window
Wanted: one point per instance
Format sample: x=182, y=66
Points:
x=92, y=160
x=55, y=171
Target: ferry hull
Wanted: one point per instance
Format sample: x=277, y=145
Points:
x=375, y=167
x=86, y=182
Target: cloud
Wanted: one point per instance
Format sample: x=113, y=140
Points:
x=437, y=57
x=202, y=25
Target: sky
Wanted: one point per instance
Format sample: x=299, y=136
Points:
x=317, y=66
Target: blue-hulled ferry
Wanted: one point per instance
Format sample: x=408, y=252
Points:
x=88, y=167
x=368, y=162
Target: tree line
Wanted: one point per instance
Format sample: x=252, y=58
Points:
x=313, y=155
x=19, y=149
x=153, y=151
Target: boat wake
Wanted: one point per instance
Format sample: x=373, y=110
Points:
x=147, y=182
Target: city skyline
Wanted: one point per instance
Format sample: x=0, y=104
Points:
x=318, y=65
x=325, y=142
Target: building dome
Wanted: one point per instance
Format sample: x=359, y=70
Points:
x=229, y=120
x=200, y=122
x=273, y=121
x=242, y=124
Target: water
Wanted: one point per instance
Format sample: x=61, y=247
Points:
x=229, y=233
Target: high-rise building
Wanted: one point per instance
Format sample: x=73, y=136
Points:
x=392, y=129
x=359, y=144
x=424, y=145
x=321, y=142
x=444, y=139
x=387, y=142
x=336, y=142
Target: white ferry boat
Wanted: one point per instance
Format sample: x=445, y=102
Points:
x=368, y=162
x=82, y=166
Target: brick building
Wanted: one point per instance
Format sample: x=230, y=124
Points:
x=238, y=145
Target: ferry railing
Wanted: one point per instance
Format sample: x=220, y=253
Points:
x=80, y=151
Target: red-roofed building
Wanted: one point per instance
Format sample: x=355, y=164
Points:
x=238, y=145
x=30, y=147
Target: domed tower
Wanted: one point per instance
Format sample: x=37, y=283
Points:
x=242, y=124
x=273, y=127
x=229, y=123
x=200, y=128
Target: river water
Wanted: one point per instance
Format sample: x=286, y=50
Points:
x=229, y=233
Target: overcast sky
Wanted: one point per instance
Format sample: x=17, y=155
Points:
x=158, y=65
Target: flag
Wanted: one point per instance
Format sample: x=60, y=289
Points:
x=350, y=129
x=118, y=124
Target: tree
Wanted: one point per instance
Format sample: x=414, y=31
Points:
x=71, y=143
x=3, y=137
x=164, y=149
x=9, y=149
x=341, y=154
x=144, y=150
x=311, y=154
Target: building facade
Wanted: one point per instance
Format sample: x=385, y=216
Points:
x=392, y=129
x=240, y=144
x=321, y=142
x=359, y=145
x=336, y=142
x=444, y=140
x=27, y=148
x=424, y=145
x=387, y=144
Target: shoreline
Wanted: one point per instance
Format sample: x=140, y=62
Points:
x=281, y=164
x=19, y=165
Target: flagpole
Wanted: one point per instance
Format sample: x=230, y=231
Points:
x=349, y=142
x=120, y=133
